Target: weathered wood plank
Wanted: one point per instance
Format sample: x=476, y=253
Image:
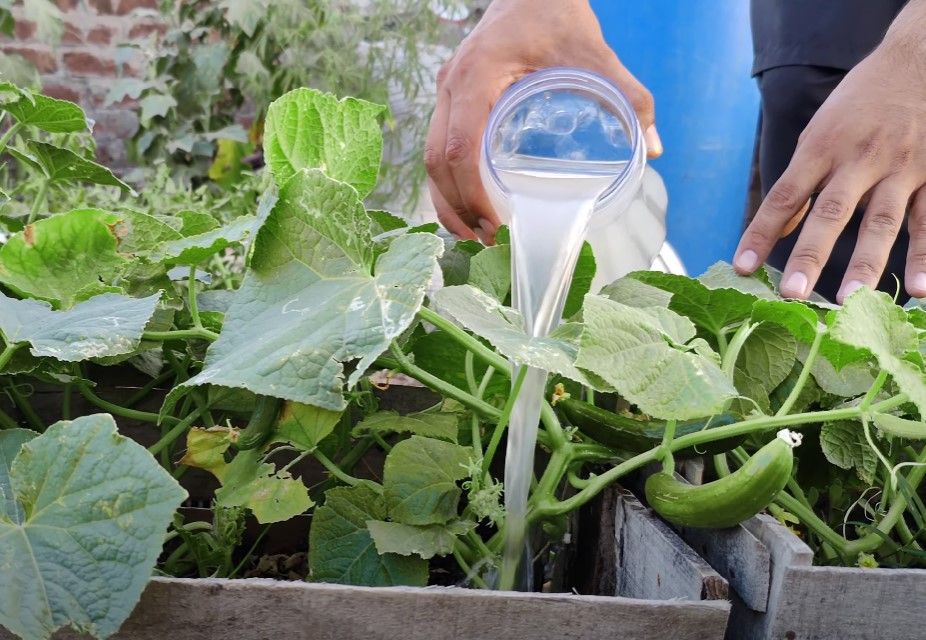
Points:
x=737, y=555
x=827, y=602
x=655, y=563
x=262, y=609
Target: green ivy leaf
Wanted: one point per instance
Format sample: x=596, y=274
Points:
x=194, y=223
x=443, y=426
x=307, y=129
x=628, y=349
x=93, y=508
x=56, y=257
x=244, y=14
x=844, y=445
x=155, y=105
x=271, y=495
x=63, y=165
x=310, y=301
x=107, y=325
x=870, y=320
x=425, y=541
x=341, y=549
x=48, y=114
x=420, y=480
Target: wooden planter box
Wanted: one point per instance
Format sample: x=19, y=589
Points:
x=778, y=593
x=666, y=590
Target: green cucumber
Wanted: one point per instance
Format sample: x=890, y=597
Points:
x=730, y=500
x=633, y=436
x=261, y=424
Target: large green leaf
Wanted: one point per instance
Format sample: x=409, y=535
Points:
x=626, y=348
x=192, y=250
x=305, y=426
x=55, y=258
x=11, y=442
x=870, y=320
x=504, y=328
x=844, y=445
x=310, y=301
x=426, y=541
x=490, y=271
x=341, y=549
x=138, y=232
x=768, y=355
x=48, y=114
x=63, y=165
x=712, y=308
x=107, y=325
x=306, y=129
x=420, y=480
x=94, y=508
x=633, y=293
x=430, y=425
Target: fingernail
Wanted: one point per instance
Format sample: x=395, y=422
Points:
x=919, y=283
x=653, y=143
x=481, y=234
x=796, y=284
x=488, y=227
x=848, y=289
x=746, y=261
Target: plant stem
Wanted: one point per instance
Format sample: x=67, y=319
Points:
x=467, y=570
x=668, y=460
x=194, y=307
x=250, y=552
x=289, y=465
x=732, y=351
x=22, y=403
x=334, y=469
x=503, y=422
x=442, y=387
x=804, y=375
x=812, y=521
x=181, y=334
x=66, y=402
x=898, y=506
x=122, y=412
x=5, y=139
x=39, y=202
x=9, y=352
x=179, y=429
x=140, y=395
x=482, y=352
x=6, y=422
x=865, y=404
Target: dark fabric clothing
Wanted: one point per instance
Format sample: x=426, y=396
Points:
x=790, y=97
x=821, y=33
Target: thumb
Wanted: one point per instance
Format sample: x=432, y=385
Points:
x=641, y=100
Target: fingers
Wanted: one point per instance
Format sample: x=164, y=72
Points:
x=469, y=113
x=784, y=201
x=880, y=225
x=826, y=220
x=641, y=100
x=915, y=276
x=448, y=205
x=448, y=217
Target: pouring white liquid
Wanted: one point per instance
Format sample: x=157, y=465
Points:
x=548, y=213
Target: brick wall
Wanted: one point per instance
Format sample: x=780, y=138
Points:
x=83, y=66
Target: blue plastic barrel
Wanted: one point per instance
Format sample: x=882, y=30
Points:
x=695, y=57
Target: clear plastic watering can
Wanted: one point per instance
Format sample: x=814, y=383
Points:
x=572, y=121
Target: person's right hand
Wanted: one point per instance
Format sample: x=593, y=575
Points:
x=513, y=39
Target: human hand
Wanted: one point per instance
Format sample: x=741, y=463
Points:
x=867, y=142
x=513, y=39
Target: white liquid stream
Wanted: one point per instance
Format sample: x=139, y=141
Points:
x=549, y=215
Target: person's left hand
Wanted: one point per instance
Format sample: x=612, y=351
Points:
x=868, y=140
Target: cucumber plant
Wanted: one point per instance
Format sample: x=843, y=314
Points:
x=260, y=365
